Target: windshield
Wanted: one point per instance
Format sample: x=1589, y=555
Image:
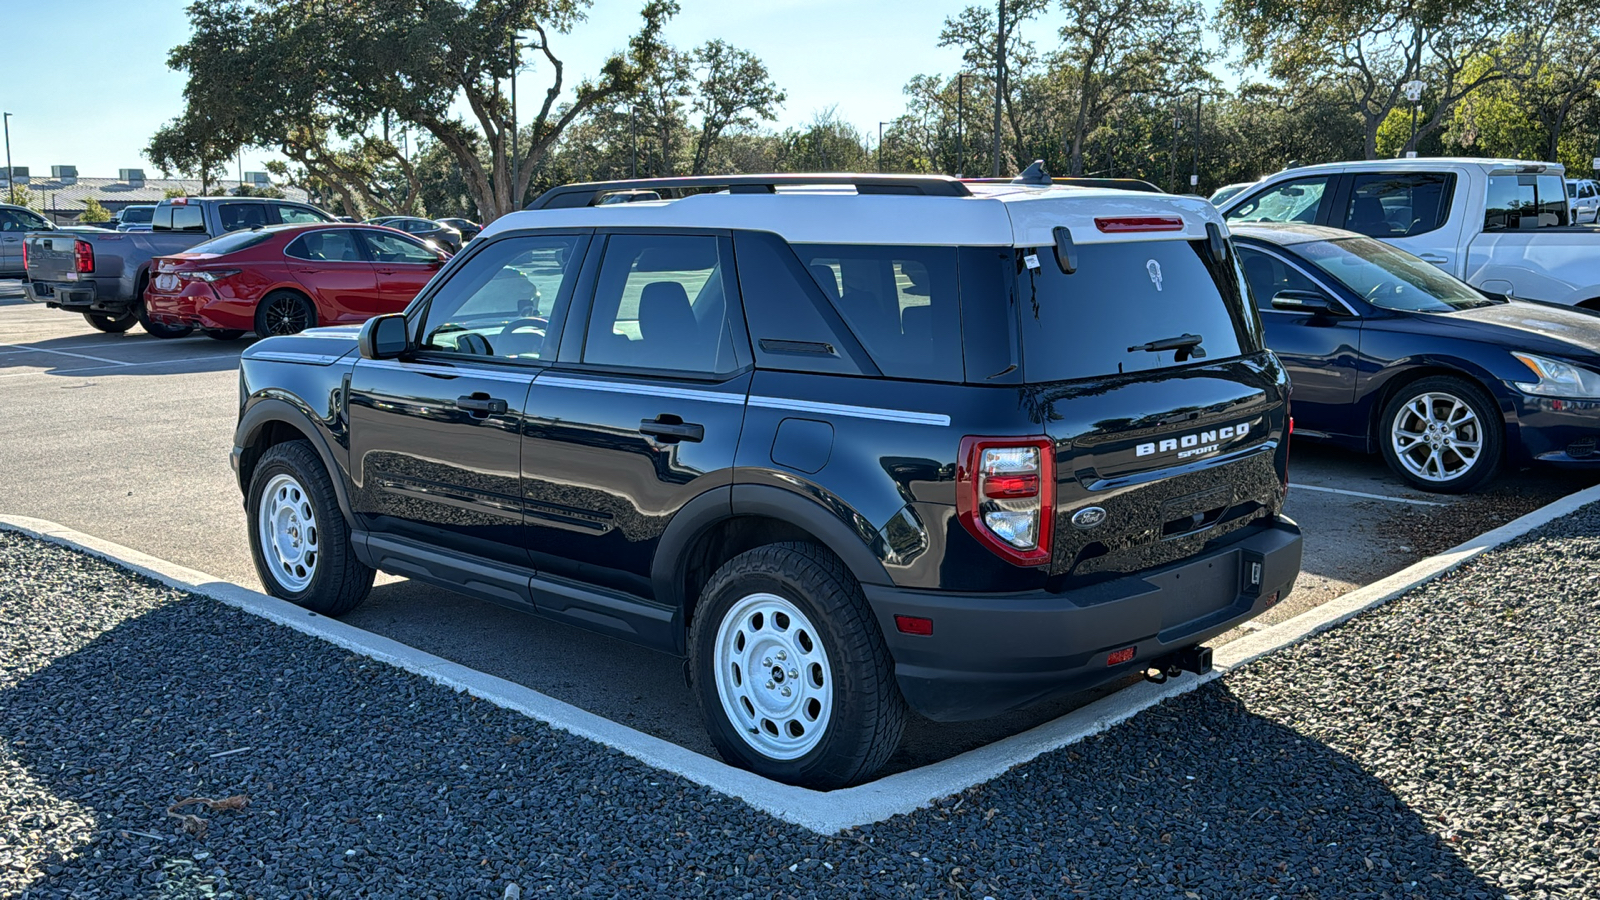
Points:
x=232, y=242
x=138, y=215
x=1391, y=278
x=1130, y=306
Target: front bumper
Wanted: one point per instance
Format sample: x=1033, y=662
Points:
x=1559, y=432
x=990, y=653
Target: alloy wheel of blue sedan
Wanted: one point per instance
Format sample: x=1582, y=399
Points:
x=1437, y=437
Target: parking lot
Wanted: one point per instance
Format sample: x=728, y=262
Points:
x=126, y=437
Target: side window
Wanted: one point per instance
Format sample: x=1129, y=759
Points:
x=792, y=326
x=299, y=215
x=392, y=248
x=235, y=216
x=334, y=245
x=499, y=303
x=1288, y=201
x=1519, y=202
x=188, y=218
x=10, y=221
x=661, y=303
x=1267, y=275
x=900, y=302
x=1398, y=204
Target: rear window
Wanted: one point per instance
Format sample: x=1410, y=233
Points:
x=1521, y=202
x=231, y=243
x=1123, y=296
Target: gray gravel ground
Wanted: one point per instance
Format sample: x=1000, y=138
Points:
x=1443, y=746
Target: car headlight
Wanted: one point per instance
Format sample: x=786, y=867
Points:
x=1558, y=379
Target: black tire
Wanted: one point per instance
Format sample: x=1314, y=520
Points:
x=1437, y=455
x=338, y=581
x=225, y=334
x=284, y=312
x=154, y=328
x=111, y=324
x=867, y=716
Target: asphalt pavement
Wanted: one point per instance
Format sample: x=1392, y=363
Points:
x=126, y=437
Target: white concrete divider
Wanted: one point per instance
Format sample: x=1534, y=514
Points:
x=826, y=812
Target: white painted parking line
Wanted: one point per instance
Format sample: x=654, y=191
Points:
x=1328, y=490
x=114, y=362
x=121, y=366
x=824, y=812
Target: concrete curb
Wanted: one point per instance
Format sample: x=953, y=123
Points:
x=822, y=812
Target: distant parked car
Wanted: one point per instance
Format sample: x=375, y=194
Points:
x=1389, y=354
x=1584, y=195
x=468, y=228
x=1221, y=194
x=135, y=218
x=287, y=278
x=15, y=221
x=427, y=229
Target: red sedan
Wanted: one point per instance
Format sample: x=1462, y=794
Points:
x=285, y=279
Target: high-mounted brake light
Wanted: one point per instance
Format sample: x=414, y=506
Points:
x=180, y=201
x=1005, y=495
x=82, y=257
x=1124, y=224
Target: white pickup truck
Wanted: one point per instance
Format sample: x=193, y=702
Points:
x=1502, y=225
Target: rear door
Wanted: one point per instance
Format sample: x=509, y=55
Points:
x=330, y=265
x=1147, y=372
x=643, y=410
x=403, y=266
x=1419, y=212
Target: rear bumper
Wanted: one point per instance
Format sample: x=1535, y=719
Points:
x=197, y=305
x=990, y=653
x=74, y=296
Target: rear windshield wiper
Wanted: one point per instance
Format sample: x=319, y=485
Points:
x=1187, y=345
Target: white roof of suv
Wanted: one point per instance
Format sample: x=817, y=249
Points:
x=1429, y=163
x=992, y=214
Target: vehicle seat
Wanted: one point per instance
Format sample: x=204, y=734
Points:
x=828, y=281
x=668, y=331
x=337, y=247
x=1366, y=217
x=1262, y=276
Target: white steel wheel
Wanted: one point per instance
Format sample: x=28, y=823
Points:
x=771, y=673
x=1437, y=437
x=286, y=524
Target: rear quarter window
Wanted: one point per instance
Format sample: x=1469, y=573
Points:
x=1123, y=296
x=902, y=304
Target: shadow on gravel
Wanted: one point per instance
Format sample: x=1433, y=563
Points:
x=1199, y=795
x=365, y=781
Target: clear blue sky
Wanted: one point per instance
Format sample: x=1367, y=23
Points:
x=856, y=54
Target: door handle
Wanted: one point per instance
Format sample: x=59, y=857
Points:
x=670, y=429
x=482, y=403
x=1436, y=258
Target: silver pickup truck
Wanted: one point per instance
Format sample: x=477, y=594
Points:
x=103, y=275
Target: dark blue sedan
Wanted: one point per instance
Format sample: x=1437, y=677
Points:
x=1389, y=354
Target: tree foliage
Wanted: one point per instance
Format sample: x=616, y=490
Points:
x=94, y=212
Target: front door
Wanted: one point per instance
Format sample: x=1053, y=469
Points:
x=403, y=266
x=642, y=412
x=339, y=279
x=435, y=437
x=1320, y=351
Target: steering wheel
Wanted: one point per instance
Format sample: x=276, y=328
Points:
x=1380, y=287
x=538, y=324
x=475, y=344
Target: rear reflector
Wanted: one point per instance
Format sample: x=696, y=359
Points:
x=913, y=625
x=1118, y=657
x=1123, y=224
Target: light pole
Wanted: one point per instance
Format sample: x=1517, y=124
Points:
x=1194, y=177
x=1413, y=91
x=961, y=146
x=880, y=145
x=999, y=80
x=633, y=125
x=10, y=189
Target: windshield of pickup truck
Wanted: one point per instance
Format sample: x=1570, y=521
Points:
x=1391, y=278
x=1521, y=202
x=138, y=215
x=1124, y=299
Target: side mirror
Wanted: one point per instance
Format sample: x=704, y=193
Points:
x=1314, y=302
x=384, y=337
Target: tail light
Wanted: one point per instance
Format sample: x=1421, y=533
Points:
x=1005, y=495
x=82, y=257
x=209, y=276
x=1124, y=224
x=1287, y=449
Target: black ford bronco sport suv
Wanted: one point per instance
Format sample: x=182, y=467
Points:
x=851, y=443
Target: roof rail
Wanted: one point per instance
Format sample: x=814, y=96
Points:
x=568, y=196
x=1122, y=184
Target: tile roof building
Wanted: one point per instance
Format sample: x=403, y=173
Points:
x=62, y=198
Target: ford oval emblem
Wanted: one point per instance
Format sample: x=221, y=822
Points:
x=1089, y=517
